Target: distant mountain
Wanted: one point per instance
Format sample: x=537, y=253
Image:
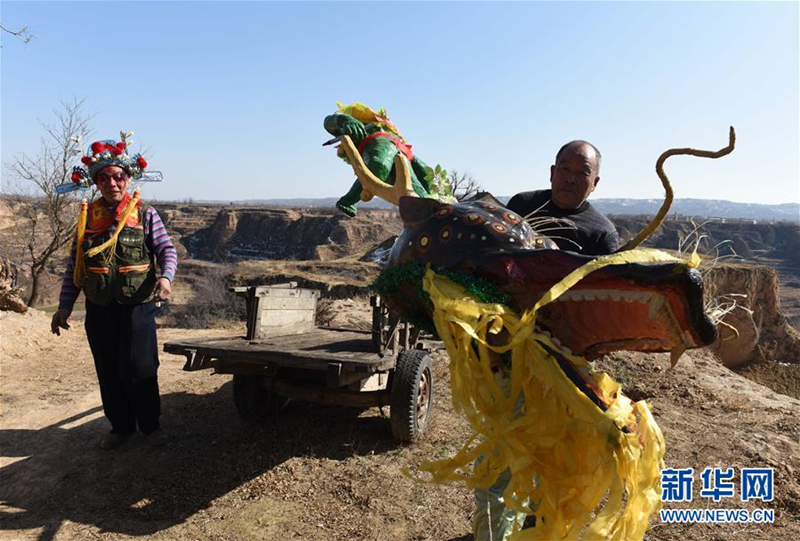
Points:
x=311, y=202
x=709, y=208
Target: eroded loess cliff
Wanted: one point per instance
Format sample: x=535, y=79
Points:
x=767, y=348
x=9, y=292
x=238, y=234
x=776, y=245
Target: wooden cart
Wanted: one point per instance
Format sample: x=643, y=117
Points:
x=284, y=355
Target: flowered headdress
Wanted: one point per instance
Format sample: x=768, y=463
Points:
x=102, y=154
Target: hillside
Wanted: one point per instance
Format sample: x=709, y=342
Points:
x=245, y=233
x=710, y=208
x=317, y=473
x=333, y=474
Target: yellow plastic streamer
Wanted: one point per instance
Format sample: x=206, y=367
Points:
x=588, y=478
x=110, y=246
x=79, y=269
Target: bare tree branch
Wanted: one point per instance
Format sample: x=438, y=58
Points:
x=23, y=34
x=464, y=185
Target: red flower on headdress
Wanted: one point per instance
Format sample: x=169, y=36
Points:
x=141, y=162
x=86, y=160
x=76, y=177
x=121, y=145
x=98, y=147
x=116, y=151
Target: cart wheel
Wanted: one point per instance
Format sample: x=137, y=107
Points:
x=411, y=395
x=253, y=400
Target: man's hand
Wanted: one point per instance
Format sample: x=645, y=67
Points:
x=163, y=289
x=60, y=320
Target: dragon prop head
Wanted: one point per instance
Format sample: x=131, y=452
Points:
x=511, y=307
x=631, y=306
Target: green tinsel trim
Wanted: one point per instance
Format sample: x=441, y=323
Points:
x=481, y=288
x=389, y=281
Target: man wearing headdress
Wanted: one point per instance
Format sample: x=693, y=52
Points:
x=118, y=242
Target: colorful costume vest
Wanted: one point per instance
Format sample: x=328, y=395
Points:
x=127, y=275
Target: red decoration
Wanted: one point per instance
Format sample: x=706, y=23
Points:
x=87, y=160
x=116, y=151
x=97, y=147
x=121, y=145
x=141, y=162
x=76, y=177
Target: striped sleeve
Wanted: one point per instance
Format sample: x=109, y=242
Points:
x=69, y=291
x=160, y=244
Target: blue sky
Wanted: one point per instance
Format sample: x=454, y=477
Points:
x=230, y=97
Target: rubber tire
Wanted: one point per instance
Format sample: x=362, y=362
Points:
x=414, y=367
x=252, y=398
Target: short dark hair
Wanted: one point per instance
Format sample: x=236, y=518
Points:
x=578, y=143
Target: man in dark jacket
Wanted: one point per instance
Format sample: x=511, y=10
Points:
x=580, y=228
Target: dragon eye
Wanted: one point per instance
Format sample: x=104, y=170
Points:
x=446, y=234
x=473, y=218
x=424, y=242
x=445, y=211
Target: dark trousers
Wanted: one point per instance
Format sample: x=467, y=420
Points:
x=125, y=350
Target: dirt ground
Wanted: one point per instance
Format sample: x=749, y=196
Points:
x=313, y=472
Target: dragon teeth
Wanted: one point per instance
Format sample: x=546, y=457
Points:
x=675, y=354
x=601, y=295
x=543, y=332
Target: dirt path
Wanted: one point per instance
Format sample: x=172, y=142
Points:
x=315, y=473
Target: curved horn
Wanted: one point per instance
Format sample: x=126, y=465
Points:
x=653, y=225
x=374, y=185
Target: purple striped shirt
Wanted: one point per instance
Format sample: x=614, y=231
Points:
x=158, y=242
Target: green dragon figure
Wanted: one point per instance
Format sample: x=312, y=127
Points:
x=378, y=141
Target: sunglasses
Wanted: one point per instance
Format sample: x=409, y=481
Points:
x=106, y=178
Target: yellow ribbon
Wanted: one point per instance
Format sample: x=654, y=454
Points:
x=110, y=245
x=566, y=455
x=79, y=269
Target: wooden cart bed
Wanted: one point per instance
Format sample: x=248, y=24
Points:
x=317, y=349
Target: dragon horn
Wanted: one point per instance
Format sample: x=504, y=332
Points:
x=374, y=185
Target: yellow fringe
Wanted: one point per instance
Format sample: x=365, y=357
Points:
x=588, y=478
x=79, y=270
x=110, y=245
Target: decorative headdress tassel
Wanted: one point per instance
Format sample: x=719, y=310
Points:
x=79, y=269
x=111, y=244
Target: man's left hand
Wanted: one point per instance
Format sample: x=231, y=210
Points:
x=163, y=289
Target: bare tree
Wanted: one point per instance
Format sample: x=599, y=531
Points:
x=22, y=34
x=464, y=185
x=47, y=217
